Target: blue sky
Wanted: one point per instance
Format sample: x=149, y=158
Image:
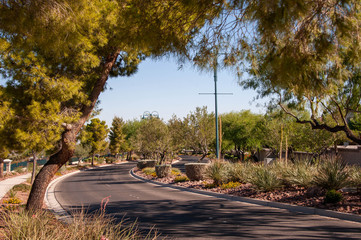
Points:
x=160, y=86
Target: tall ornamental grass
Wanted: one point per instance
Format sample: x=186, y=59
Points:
x=332, y=174
x=42, y=225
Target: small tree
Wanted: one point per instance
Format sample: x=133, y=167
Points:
x=117, y=137
x=153, y=138
x=177, y=131
x=81, y=151
x=243, y=130
x=200, y=130
x=94, y=135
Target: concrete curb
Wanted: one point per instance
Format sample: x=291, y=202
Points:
x=52, y=203
x=285, y=206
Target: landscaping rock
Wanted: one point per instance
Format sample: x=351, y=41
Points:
x=163, y=170
x=195, y=171
x=146, y=163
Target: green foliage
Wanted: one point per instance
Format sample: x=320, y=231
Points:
x=117, y=137
x=200, y=129
x=82, y=151
x=264, y=179
x=332, y=174
x=304, y=56
x=301, y=174
x=242, y=131
x=333, y=196
x=355, y=176
x=181, y=179
x=217, y=171
x=240, y=172
x=230, y=185
x=153, y=139
x=94, y=135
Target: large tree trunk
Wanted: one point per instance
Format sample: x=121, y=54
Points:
x=68, y=140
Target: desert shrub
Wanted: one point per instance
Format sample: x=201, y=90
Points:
x=281, y=169
x=181, y=179
x=333, y=196
x=20, y=169
x=12, y=200
x=100, y=160
x=176, y=172
x=21, y=187
x=230, y=185
x=110, y=160
x=210, y=185
x=332, y=174
x=264, y=179
x=218, y=172
x=148, y=170
x=355, y=177
x=42, y=225
x=301, y=173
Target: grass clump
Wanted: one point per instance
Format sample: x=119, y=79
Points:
x=218, y=172
x=264, y=179
x=332, y=174
x=301, y=174
x=230, y=185
x=181, y=179
x=21, y=188
x=333, y=196
x=43, y=225
x=149, y=171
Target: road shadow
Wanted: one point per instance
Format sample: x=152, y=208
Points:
x=216, y=218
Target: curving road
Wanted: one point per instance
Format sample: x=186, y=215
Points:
x=184, y=215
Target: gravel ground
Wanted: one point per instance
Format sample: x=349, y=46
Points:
x=312, y=197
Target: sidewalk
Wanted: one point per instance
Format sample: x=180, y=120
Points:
x=7, y=184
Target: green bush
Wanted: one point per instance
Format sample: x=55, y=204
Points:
x=333, y=196
x=181, y=179
x=217, y=171
x=99, y=160
x=264, y=179
x=332, y=174
x=230, y=185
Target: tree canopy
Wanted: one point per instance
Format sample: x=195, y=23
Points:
x=57, y=56
x=304, y=54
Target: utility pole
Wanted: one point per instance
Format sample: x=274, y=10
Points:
x=215, y=68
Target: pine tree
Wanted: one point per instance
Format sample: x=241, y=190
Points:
x=59, y=55
x=94, y=135
x=117, y=137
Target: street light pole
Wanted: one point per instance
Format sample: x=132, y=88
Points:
x=216, y=105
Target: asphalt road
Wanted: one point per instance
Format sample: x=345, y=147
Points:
x=184, y=215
